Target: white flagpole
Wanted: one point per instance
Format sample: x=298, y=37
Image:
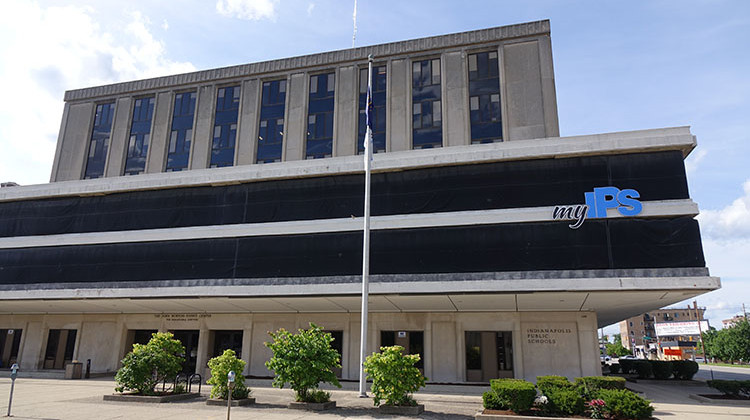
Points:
x=366, y=243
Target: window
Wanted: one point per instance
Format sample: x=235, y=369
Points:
x=60, y=348
x=320, y=116
x=225, y=126
x=97, y=153
x=271, y=131
x=227, y=340
x=484, y=98
x=427, y=119
x=10, y=341
x=378, y=111
x=140, y=131
x=178, y=154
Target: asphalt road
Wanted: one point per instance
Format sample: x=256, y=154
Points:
x=723, y=372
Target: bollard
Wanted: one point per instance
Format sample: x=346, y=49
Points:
x=88, y=368
x=13, y=375
x=230, y=385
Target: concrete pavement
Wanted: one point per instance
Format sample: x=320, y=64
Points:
x=50, y=399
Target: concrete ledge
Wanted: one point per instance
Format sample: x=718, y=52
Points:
x=741, y=403
x=235, y=403
x=297, y=405
x=402, y=410
x=151, y=399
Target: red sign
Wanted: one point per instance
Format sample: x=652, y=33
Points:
x=672, y=352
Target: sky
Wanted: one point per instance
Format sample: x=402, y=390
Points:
x=619, y=66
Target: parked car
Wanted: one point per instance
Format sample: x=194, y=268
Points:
x=700, y=360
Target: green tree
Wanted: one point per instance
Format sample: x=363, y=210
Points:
x=220, y=367
x=149, y=364
x=394, y=376
x=304, y=360
x=729, y=344
x=617, y=350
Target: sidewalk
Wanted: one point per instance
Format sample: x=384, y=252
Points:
x=82, y=399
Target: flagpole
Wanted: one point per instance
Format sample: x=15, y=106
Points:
x=366, y=242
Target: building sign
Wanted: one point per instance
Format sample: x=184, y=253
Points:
x=182, y=317
x=664, y=329
x=546, y=335
x=672, y=352
x=596, y=204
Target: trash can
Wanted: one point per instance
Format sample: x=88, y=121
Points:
x=74, y=370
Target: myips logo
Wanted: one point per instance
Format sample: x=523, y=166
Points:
x=597, y=203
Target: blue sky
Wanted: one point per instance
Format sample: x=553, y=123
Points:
x=618, y=66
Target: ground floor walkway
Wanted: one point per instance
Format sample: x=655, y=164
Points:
x=82, y=399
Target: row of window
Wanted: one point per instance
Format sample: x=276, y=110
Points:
x=427, y=117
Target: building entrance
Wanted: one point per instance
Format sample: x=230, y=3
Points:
x=10, y=340
x=489, y=355
x=411, y=341
x=189, y=339
x=60, y=347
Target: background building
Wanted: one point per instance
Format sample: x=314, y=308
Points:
x=226, y=203
x=640, y=333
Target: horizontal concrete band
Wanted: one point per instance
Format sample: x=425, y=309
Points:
x=402, y=221
x=678, y=138
x=696, y=279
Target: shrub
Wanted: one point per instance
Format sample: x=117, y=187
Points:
x=684, y=369
x=614, y=368
x=394, y=376
x=491, y=401
x=643, y=369
x=513, y=394
x=662, y=369
x=733, y=388
x=564, y=400
x=304, y=360
x=547, y=382
x=626, y=365
x=149, y=364
x=622, y=403
x=220, y=367
x=595, y=383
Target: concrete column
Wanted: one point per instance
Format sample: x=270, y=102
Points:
x=400, y=106
x=296, y=120
x=551, y=123
x=247, y=343
x=354, y=333
x=247, y=138
x=455, y=100
x=118, y=142
x=202, y=357
x=346, y=111
x=160, y=131
x=29, y=356
x=203, y=135
x=73, y=142
x=523, y=91
x=588, y=343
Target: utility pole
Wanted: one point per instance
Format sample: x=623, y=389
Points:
x=698, y=317
x=744, y=312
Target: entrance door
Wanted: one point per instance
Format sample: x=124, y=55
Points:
x=10, y=340
x=338, y=345
x=411, y=341
x=189, y=339
x=60, y=347
x=489, y=355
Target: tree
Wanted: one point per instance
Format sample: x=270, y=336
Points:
x=220, y=367
x=729, y=344
x=394, y=376
x=149, y=364
x=304, y=360
x=617, y=350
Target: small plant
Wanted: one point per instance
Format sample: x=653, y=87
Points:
x=622, y=403
x=304, y=360
x=220, y=367
x=510, y=394
x=394, y=376
x=150, y=364
x=597, y=408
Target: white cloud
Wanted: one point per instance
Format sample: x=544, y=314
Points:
x=248, y=9
x=47, y=50
x=310, y=8
x=731, y=222
x=165, y=25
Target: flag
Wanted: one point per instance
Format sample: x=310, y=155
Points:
x=369, y=119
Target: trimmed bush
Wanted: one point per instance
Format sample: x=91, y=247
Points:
x=491, y=401
x=220, y=367
x=614, y=368
x=626, y=365
x=303, y=360
x=643, y=369
x=662, y=369
x=621, y=403
x=564, y=400
x=684, y=369
x=595, y=383
x=513, y=394
x=394, y=376
x=733, y=388
x=547, y=382
x=149, y=364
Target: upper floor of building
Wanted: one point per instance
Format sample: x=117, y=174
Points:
x=484, y=86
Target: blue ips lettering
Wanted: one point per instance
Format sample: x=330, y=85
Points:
x=591, y=204
x=597, y=203
x=630, y=206
x=605, y=198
